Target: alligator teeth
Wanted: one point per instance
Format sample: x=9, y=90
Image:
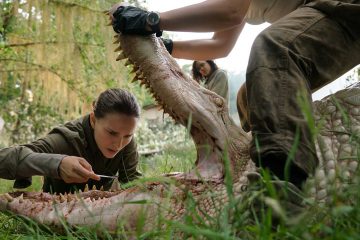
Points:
x=140, y=76
x=142, y=82
x=86, y=189
x=120, y=57
x=21, y=198
x=128, y=62
x=94, y=187
x=62, y=198
x=102, y=188
x=118, y=48
x=135, y=68
x=8, y=197
x=117, y=40
x=160, y=103
x=134, y=79
x=138, y=72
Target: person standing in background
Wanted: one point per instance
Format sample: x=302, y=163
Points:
x=214, y=78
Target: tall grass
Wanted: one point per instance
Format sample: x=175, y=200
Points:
x=239, y=219
x=250, y=216
x=179, y=157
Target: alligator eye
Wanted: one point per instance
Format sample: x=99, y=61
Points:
x=219, y=102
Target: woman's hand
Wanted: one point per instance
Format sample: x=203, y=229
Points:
x=76, y=170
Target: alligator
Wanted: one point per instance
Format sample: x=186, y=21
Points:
x=223, y=167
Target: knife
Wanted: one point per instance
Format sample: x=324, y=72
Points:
x=104, y=176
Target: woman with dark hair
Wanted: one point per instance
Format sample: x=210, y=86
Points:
x=103, y=139
x=214, y=78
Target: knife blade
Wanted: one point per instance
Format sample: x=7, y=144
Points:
x=105, y=176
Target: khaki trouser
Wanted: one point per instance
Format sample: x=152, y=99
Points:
x=295, y=56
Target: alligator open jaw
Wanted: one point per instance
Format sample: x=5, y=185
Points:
x=186, y=102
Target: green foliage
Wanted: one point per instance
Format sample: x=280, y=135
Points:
x=7, y=185
x=165, y=147
x=61, y=53
x=155, y=134
x=177, y=157
x=142, y=94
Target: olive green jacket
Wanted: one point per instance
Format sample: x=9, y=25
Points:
x=218, y=83
x=75, y=138
x=20, y=162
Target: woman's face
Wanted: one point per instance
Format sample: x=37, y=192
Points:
x=204, y=68
x=113, y=132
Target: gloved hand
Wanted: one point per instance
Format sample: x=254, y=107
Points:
x=131, y=20
x=168, y=44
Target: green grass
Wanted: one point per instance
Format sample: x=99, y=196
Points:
x=7, y=185
x=239, y=219
x=180, y=158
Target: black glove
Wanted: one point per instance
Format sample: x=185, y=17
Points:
x=168, y=44
x=131, y=20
